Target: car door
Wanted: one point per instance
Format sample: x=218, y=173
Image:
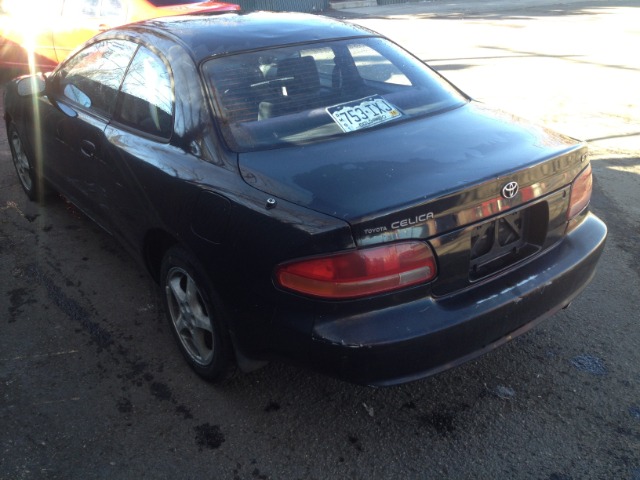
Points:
x=81, y=98
x=137, y=139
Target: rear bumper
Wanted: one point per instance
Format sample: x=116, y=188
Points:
x=406, y=342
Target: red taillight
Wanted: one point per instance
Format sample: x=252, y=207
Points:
x=361, y=272
x=580, y=193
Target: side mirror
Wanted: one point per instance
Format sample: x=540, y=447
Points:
x=31, y=85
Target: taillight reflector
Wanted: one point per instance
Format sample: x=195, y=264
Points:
x=580, y=193
x=360, y=273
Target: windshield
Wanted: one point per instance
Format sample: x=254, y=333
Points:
x=303, y=93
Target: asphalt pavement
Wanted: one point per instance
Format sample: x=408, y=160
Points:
x=92, y=385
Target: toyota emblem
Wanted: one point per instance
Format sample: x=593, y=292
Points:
x=510, y=190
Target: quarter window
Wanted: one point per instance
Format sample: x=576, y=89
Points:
x=92, y=78
x=372, y=66
x=146, y=102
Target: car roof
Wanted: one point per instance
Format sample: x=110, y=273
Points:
x=207, y=35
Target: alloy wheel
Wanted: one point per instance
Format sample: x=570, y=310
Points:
x=21, y=161
x=190, y=316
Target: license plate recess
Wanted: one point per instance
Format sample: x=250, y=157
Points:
x=506, y=240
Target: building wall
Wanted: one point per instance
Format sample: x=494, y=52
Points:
x=284, y=5
x=299, y=5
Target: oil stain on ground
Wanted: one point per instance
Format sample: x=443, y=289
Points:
x=209, y=436
x=70, y=307
x=443, y=419
x=18, y=298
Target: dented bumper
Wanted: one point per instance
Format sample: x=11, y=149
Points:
x=409, y=341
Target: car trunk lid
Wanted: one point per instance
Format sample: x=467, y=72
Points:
x=486, y=189
x=420, y=178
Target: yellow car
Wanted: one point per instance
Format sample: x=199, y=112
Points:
x=42, y=33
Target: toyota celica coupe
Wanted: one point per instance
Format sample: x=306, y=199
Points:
x=303, y=188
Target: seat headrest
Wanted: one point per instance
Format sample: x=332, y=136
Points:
x=301, y=75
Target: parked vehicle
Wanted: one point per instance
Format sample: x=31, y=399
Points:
x=45, y=32
x=304, y=188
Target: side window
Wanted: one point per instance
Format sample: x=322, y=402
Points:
x=374, y=67
x=146, y=102
x=91, y=78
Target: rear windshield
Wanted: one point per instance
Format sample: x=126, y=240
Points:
x=303, y=93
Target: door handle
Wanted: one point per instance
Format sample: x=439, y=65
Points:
x=87, y=148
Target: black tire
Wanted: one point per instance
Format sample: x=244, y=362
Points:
x=24, y=165
x=196, y=315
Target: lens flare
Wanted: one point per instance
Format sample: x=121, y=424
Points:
x=22, y=25
x=26, y=29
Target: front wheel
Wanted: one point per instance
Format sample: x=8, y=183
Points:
x=196, y=315
x=25, y=167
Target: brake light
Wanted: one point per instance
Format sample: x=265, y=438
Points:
x=580, y=193
x=360, y=273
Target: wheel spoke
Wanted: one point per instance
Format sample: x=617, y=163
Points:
x=176, y=289
x=202, y=322
x=181, y=325
x=196, y=307
x=192, y=295
x=199, y=343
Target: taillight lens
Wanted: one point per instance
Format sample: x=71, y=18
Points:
x=580, y=193
x=360, y=273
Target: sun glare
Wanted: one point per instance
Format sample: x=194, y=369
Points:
x=23, y=27
x=26, y=24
